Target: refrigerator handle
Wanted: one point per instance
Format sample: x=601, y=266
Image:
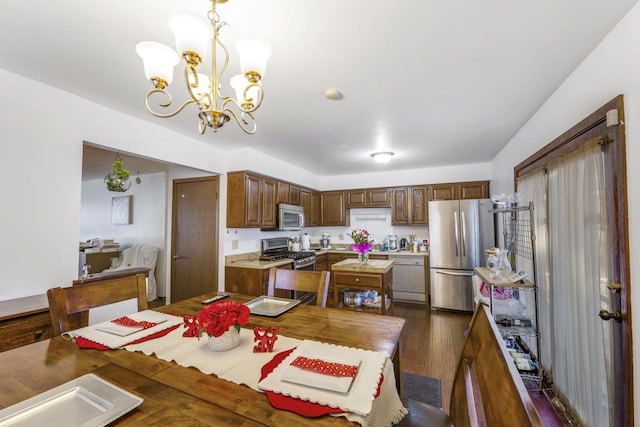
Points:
x=464, y=235
x=456, y=273
x=455, y=226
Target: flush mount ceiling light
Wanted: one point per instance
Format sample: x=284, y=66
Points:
x=194, y=35
x=382, y=156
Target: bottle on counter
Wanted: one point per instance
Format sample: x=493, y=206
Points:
x=85, y=271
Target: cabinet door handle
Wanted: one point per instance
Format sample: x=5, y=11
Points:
x=357, y=279
x=177, y=257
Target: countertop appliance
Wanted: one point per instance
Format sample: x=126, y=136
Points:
x=393, y=243
x=409, y=279
x=325, y=241
x=404, y=244
x=459, y=233
x=278, y=248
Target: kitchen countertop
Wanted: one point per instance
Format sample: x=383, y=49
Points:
x=342, y=251
x=252, y=259
x=371, y=266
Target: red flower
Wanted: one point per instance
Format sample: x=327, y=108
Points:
x=216, y=319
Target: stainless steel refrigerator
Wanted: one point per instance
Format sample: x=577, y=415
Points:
x=459, y=233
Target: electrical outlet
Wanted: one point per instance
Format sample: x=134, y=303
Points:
x=340, y=236
x=235, y=244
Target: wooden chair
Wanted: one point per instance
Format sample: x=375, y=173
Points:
x=300, y=280
x=503, y=396
x=67, y=304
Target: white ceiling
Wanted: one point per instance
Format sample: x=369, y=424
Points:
x=438, y=82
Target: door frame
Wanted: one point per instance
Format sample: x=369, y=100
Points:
x=612, y=141
x=214, y=238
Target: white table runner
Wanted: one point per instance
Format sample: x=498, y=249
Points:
x=241, y=366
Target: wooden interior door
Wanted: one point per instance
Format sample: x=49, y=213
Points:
x=194, y=263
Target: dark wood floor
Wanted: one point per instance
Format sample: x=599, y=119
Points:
x=431, y=344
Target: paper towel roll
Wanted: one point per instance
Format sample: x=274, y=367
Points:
x=306, y=242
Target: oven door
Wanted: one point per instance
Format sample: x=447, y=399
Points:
x=305, y=297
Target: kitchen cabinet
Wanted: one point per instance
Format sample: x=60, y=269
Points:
x=310, y=202
x=409, y=205
x=268, y=215
x=368, y=198
x=251, y=200
x=248, y=281
x=294, y=195
x=460, y=191
x=334, y=210
x=321, y=262
x=445, y=192
x=474, y=190
x=283, y=193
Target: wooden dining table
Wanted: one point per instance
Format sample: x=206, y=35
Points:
x=175, y=395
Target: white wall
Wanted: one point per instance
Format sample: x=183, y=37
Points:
x=41, y=149
x=613, y=68
x=148, y=220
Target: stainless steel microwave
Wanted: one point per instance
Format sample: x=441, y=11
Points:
x=290, y=217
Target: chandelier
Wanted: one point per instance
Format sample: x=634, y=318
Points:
x=193, y=35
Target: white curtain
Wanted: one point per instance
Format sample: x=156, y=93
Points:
x=533, y=188
x=579, y=271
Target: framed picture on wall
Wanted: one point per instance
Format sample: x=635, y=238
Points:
x=121, y=210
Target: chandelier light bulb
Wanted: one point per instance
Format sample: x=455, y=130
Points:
x=382, y=156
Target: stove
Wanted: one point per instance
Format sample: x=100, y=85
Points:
x=278, y=248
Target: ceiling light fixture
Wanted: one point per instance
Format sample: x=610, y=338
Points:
x=382, y=156
x=194, y=35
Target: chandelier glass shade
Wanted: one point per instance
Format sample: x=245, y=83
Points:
x=194, y=36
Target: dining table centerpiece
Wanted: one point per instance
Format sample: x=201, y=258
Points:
x=362, y=243
x=221, y=322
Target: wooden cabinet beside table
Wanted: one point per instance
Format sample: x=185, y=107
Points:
x=27, y=320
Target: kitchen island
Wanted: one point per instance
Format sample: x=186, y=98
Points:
x=373, y=275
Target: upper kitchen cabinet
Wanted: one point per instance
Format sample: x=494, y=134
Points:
x=294, y=195
x=283, y=192
x=474, y=190
x=368, y=198
x=251, y=200
x=310, y=202
x=460, y=191
x=409, y=205
x=334, y=209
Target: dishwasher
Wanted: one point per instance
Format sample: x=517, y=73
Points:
x=409, y=279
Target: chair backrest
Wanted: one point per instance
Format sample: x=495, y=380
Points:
x=65, y=303
x=300, y=280
x=504, y=397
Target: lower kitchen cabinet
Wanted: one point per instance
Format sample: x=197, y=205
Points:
x=247, y=281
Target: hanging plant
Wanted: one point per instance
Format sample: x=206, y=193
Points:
x=118, y=180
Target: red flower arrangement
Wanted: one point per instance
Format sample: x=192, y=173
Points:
x=216, y=319
x=363, y=240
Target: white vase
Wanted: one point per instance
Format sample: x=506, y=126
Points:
x=226, y=341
